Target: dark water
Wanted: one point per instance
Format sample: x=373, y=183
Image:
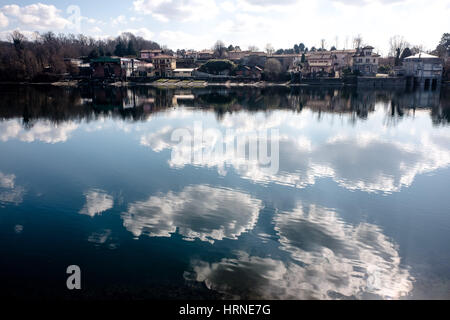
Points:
x=358, y=208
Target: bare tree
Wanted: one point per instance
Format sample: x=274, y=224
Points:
x=416, y=49
x=357, y=42
x=23, y=59
x=17, y=38
x=253, y=48
x=269, y=49
x=220, y=50
x=396, y=45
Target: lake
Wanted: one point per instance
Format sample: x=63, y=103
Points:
x=216, y=193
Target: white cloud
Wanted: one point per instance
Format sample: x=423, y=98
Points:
x=142, y=32
x=348, y=155
x=329, y=259
x=180, y=10
x=136, y=19
x=97, y=31
x=180, y=39
x=97, y=202
x=4, y=21
x=264, y=5
x=4, y=35
x=368, y=2
x=7, y=181
x=345, y=259
x=104, y=238
x=159, y=140
x=119, y=20
x=10, y=193
x=37, y=16
x=42, y=130
x=18, y=229
x=100, y=237
x=92, y=21
x=227, y=214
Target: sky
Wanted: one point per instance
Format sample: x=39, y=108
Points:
x=198, y=24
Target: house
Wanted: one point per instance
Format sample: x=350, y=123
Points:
x=205, y=55
x=130, y=66
x=237, y=55
x=321, y=62
x=74, y=62
x=425, y=69
x=365, y=61
x=149, y=54
x=146, y=69
x=191, y=54
x=77, y=67
x=107, y=67
x=164, y=65
x=286, y=60
x=115, y=67
x=253, y=72
x=254, y=59
x=344, y=59
x=183, y=73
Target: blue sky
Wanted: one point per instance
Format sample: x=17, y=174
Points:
x=197, y=24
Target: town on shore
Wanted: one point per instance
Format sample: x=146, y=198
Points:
x=130, y=59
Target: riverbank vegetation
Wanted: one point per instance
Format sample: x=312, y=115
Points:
x=43, y=57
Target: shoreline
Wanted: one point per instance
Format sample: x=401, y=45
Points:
x=178, y=84
x=192, y=84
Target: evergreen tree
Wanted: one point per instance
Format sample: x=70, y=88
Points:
x=130, y=50
x=301, y=47
x=405, y=54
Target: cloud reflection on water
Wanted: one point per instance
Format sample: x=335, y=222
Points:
x=197, y=212
x=329, y=259
x=370, y=158
x=10, y=193
x=97, y=202
x=43, y=130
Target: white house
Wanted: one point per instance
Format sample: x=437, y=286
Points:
x=183, y=73
x=425, y=69
x=365, y=61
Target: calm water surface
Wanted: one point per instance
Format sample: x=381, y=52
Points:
x=359, y=207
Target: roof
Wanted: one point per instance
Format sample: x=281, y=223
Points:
x=106, y=59
x=422, y=55
x=151, y=51
x=368, y=48
x=361, y=55
x=163, y=56
x=184, y=70
x=348, y=51
x=289, y=55
x=320, y=55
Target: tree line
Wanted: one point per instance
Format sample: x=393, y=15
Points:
x=24, y=59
